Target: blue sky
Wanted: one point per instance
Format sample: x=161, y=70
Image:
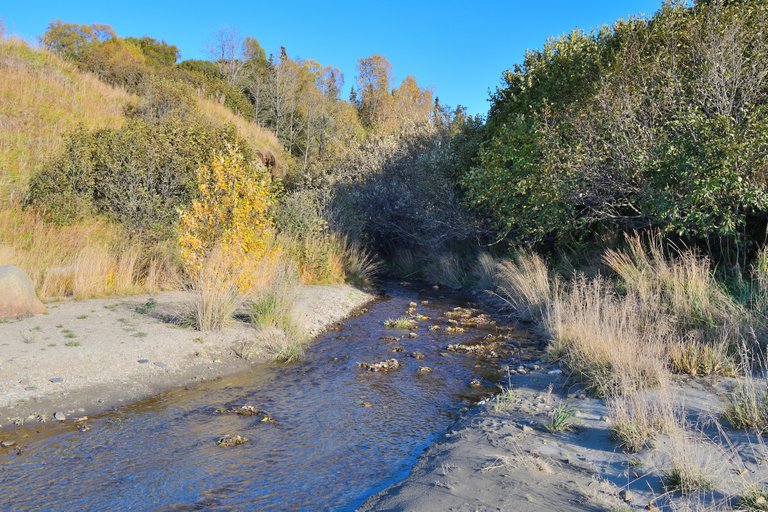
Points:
x=459, y=48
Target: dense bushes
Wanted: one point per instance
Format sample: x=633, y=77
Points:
x=139, y=174
x=657, y=122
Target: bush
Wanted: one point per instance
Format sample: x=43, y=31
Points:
x=139, y=174
x=231, y=212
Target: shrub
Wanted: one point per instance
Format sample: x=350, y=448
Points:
x=139, y=174
x=230, y=212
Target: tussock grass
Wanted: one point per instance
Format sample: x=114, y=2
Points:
x=446, y=270
x=275, y=344
x=402, y=322
x=689, y=471
x=683, y=281
x=360, y=266
x=271, y=305
x=747, y=406
x=604, y=340
x=638, y=418
x=524, y=282
x=217, y=295
x=484, y=272
x=405, y=264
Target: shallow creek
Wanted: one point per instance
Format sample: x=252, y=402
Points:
x=341, y=433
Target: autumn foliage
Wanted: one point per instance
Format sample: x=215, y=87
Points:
x=231, y=213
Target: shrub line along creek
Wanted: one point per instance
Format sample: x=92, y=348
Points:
x=324, y=433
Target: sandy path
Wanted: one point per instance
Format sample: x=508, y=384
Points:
x=85, y=356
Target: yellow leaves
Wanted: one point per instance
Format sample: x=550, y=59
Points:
x=232, y=211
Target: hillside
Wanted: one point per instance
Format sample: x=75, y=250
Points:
x=43, y=99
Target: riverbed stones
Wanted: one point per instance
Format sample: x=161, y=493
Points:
x=7, y=444
x=417, y=355
x=424, y=370
x=382, y=366
x=228, y=441
x=17, y=294
x=59, y=416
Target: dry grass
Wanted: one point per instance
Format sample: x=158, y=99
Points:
x=216, y=292
x=42, y=98
x=604, y=340
x=320, y=260
x=524, y=282
x=638, y=418
x=683, y=281
x=445, y=270
x=360, y=266
x=272, y=304
x=484, y=272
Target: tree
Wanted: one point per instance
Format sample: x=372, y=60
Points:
x=226, y=49
x=373, y=83
x=70, y=40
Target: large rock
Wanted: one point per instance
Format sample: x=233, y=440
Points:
x=17, y=293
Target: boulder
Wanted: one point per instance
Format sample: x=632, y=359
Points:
x=17, y=293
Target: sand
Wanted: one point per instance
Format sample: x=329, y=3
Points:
x=508, y=461
x=91, y=355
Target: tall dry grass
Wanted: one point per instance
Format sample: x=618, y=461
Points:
x=682, y=279
x=606, y=340
x=89, y=259
x=527, y=285
x=216, y=292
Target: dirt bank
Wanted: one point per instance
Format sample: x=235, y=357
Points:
x=86, y=356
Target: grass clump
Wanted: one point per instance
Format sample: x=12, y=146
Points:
x=748, y=406
x=561, y=419
x=524, y=282
x=402, y=322
x=504, y=400
x=604, y=340
x=637, y=418
x=271, y=306
x=446, y=270
x=217, y=295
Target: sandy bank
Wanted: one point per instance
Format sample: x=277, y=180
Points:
x=86, y=356
x=507, y=461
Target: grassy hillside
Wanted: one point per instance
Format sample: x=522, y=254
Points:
x=43, y=98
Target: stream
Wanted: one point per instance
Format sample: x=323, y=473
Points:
x=341, y=432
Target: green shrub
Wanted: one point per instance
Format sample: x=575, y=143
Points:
x=139, y=174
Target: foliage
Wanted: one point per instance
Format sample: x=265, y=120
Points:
x=231, y=212
x=651, y=122
x=139, y=174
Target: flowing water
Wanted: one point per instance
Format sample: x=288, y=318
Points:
x=341, y=433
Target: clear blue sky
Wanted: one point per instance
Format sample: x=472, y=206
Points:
x=459, y=48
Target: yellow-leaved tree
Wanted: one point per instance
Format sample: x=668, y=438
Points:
x=230, y=215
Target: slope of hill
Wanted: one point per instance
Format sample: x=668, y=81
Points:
x=42, y=99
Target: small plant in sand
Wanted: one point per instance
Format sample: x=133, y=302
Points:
x=754, y=499
x=690, y=471
x=504, y=400
x=561, y=419
x=748, y=406
x=402, y=322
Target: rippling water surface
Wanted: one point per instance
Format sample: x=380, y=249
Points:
x=326, y=452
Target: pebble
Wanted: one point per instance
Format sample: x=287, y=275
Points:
x=626, y=495
x=555, y=372
x=56, y=380
x=142, y=361
x=160, y=365
x=59, y=416
x=7, y=444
